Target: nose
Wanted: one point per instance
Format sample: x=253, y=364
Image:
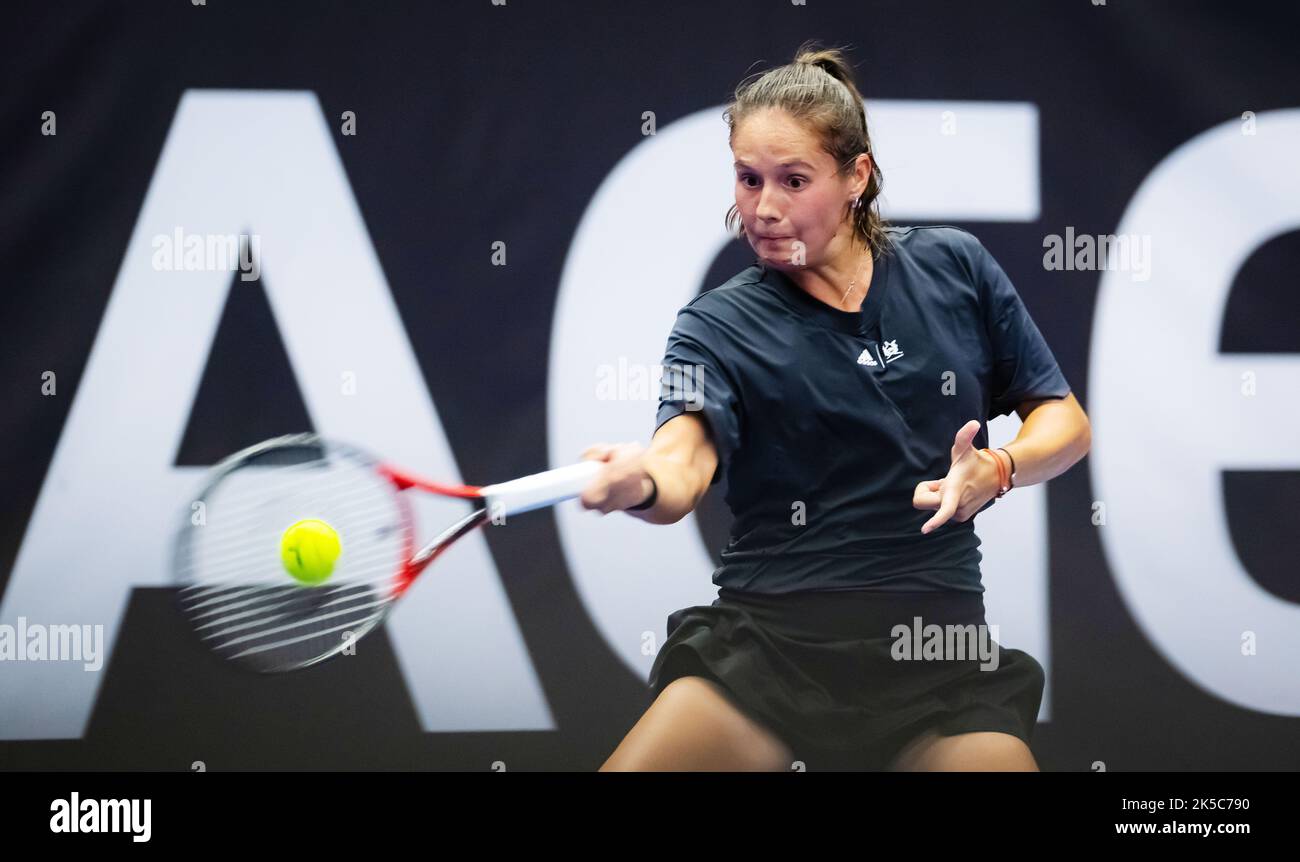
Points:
x=766, y=210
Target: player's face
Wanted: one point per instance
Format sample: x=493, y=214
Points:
x=787, y=191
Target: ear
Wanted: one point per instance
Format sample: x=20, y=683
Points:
x=865, y=165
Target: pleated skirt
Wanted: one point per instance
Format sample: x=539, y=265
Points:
x=829, y=674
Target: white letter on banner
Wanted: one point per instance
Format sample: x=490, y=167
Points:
x=263, y=162
x=1169, y=416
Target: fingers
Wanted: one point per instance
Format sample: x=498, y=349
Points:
x=597, y=452
x=596, y=495
x=617, y=484
x=926, y=495
x=947, y=506
x=963, y=440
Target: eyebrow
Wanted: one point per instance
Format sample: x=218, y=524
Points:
x=740, y=164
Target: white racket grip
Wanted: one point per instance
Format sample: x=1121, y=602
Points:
x=540, y=489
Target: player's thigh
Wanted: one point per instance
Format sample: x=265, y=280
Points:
x=695, y=725
x=982, y=751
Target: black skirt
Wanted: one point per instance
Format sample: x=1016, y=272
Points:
x=826, y=671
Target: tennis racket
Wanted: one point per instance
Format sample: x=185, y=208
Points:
x=235, y=588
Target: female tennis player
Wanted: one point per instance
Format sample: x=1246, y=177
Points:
x=846, y=377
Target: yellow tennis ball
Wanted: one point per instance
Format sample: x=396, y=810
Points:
x=309, y=549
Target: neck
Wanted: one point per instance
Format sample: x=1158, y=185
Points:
x=841, y=282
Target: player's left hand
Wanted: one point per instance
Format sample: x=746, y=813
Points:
x=971, y=482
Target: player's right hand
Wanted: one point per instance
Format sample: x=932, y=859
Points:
x=622, y=483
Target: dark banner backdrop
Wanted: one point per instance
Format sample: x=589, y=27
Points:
x=478, y=124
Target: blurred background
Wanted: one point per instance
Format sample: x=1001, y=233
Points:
x=457, y=235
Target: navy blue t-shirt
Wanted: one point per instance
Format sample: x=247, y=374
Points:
x=825, y=420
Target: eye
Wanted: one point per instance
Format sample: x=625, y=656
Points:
x=801, y=180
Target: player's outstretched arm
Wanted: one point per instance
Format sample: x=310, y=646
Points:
x=681, y=460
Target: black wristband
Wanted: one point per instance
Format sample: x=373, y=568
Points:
x=649, y=501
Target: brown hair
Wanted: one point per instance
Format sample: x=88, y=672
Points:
x=818, y=90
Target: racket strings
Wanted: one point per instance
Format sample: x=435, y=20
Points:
x=340, y=609
x=247, y=561
x=236, y=591
x=280, y=602
x=238, y=508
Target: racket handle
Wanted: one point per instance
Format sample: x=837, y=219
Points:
x=539, y=489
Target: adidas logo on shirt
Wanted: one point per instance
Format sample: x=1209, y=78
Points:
x=889, y=352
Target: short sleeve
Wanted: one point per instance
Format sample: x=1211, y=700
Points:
x=1024, y=368
x=696, y=379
